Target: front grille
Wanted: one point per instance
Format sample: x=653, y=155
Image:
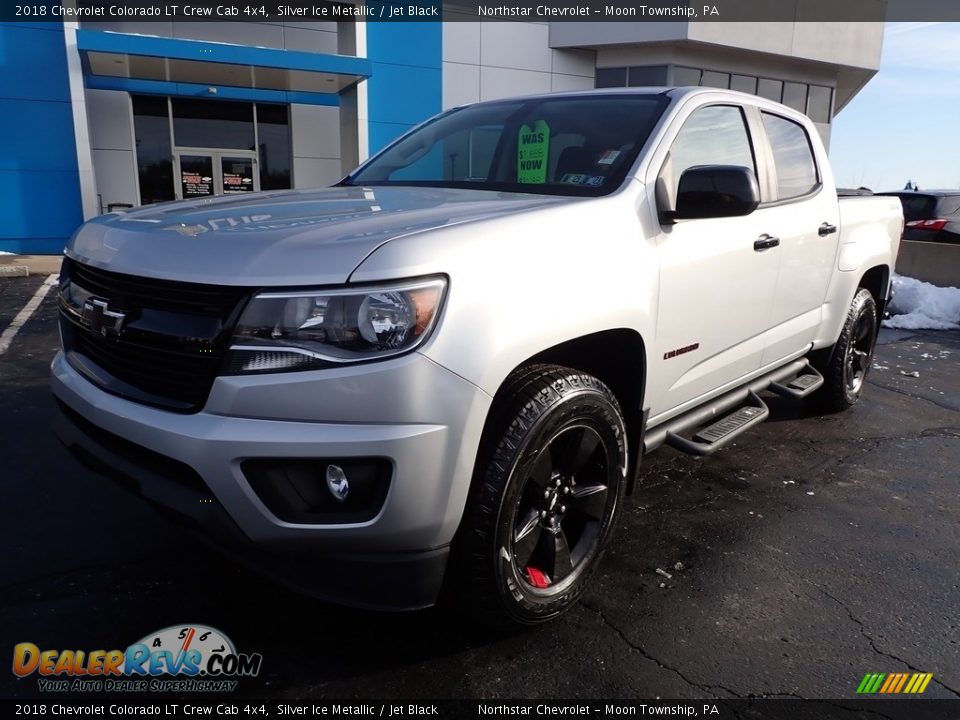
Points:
x=171, y=295
x=172, y=338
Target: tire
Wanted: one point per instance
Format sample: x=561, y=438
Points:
x=549, y=482
x=846, y=364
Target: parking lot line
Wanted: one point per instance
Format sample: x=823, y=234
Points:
x=6, y=339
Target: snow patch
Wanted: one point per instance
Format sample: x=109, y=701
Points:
x=918, y=305
x=4, y=252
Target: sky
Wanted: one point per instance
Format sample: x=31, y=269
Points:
x=905, y=124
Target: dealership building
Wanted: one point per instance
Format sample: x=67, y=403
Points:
x=100, y=116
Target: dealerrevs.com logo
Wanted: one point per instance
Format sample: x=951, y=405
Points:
x=179, y=658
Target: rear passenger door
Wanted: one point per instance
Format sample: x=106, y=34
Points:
x=804, y=215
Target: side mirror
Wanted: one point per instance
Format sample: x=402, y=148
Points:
x=713, y=191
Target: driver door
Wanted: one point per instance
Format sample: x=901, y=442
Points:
x=716, y=286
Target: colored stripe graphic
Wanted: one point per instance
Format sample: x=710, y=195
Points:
x=894, y=683
x=903, y=680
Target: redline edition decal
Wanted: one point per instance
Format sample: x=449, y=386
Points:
x=680, y=351
x=200, y=658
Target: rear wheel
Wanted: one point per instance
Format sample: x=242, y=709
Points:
x=550, y=482
x=846, y=365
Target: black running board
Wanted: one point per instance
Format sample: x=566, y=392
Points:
x=721, y=433
x=808, y=381
x=716, y=410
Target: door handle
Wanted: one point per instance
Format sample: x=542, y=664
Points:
x=765, y=242
x=826, y=229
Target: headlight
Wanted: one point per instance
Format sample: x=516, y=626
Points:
x=313, y=329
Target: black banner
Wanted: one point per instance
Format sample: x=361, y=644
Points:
x=485, y=10
x=758, y=709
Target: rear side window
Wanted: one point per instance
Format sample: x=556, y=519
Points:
x=792, y=157
x=948, y=206
x=712, y=135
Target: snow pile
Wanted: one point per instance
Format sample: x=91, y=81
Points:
x=4, y=252
x=918, y=305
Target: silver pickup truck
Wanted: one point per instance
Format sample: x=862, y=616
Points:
x=437, y=379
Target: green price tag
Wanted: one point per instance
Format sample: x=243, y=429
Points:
x=533, y=150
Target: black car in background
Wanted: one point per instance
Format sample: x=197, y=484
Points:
x=930, y=215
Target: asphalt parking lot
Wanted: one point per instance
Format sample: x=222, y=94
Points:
x=820, y=548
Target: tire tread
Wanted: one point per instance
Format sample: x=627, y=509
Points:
x=525, y=399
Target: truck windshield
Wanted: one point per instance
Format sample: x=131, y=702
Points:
x=579, y=145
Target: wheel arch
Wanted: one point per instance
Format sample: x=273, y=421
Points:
x=617, y=358
x=876, y=280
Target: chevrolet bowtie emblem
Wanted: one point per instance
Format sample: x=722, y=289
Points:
x=99, y=318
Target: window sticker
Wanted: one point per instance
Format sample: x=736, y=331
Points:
x=579, y=179
x=608, y=157
x=533, y=149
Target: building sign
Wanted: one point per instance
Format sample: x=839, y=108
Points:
x=196, y=176
x=237, y=175
x=195, y=184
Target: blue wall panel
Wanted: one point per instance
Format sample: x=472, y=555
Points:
x=35, y=119
x=406, y=84
x=39, y=183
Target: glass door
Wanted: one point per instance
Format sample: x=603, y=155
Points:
x=204, y=173
x=194, y=176
x=237, y=174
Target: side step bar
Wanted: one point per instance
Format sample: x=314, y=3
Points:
x=713, y=437
x=726, y=415
x=801, y=386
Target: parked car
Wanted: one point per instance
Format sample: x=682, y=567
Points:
x=930, y=215
x=438, y=378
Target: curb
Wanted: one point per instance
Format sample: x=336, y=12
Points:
x=27, y=265
x=14, y=271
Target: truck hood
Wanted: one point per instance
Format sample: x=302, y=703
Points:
x=298, y=237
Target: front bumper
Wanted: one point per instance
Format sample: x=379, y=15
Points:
x=426, y=420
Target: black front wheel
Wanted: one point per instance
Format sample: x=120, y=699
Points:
x=549, y=483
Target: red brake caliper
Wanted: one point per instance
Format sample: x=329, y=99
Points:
x=538, y=578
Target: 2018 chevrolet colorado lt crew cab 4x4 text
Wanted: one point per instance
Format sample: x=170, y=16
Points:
x=440, y=375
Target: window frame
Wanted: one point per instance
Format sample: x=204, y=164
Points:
x=771, y=171
x=748, y=127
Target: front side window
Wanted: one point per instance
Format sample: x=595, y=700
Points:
x=555, y=146
x=792, y=157
x=712, y=135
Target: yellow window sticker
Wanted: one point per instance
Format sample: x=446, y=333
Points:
x=533, y=149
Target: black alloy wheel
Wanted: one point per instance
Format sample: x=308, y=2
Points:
x=846, y=364
x=548, y=484
x=559, y=513
x=859, y=353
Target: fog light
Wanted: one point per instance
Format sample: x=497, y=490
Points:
x=337, y=482
x=320, y=491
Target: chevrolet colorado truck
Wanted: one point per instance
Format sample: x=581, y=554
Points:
x=437, y=378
